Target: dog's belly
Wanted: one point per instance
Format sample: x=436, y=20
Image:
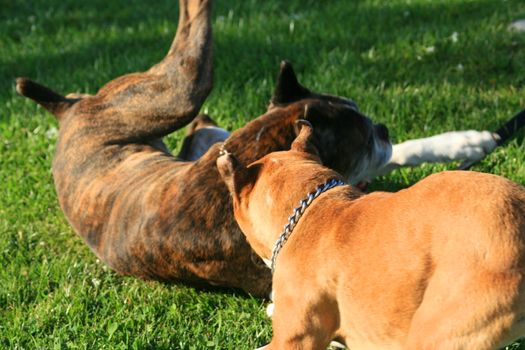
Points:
x=165, y=220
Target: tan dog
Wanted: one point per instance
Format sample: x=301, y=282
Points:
x=440, y=265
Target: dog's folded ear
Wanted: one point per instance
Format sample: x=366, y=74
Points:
x=288, y=89
x=304, y=140
x=233, y=172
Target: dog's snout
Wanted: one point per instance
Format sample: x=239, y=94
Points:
x=382, y=132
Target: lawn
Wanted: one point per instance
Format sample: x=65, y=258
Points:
x=421, y=67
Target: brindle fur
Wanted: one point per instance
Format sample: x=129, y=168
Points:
x=149, y=214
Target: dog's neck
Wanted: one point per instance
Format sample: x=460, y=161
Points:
x=298, y=212
x=278, y=191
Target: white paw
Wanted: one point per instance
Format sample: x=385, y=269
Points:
x=269, y=310
x=270, y=307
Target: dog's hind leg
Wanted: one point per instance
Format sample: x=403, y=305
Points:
x=151, y=104
x=169, y=95
x=479, y=310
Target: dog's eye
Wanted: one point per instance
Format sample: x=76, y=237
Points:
x=370, y=139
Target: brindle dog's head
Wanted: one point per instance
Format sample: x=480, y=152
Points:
x=269, y=189
x=347, y=140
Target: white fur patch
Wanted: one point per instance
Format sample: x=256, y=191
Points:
x=368, y=167
x=455, y=145
x=470, y=145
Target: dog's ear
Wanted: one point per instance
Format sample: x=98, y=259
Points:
x=288, y=89
x=304, y=140
x=321, y=111
x=234, y=173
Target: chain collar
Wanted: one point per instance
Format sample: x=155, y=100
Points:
x=298, y=212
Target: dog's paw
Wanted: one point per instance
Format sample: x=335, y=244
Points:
x=473, y=145
x=269, y=310
x=271, y=306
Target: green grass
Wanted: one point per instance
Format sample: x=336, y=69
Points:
x=53, y=291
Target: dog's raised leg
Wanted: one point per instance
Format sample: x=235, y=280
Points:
x=168, y=95
x=149, y=104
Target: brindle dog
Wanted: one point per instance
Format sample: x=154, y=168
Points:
x=149, y=214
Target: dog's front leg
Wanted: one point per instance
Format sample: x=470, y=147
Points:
x=468, y=145
x=305, y=320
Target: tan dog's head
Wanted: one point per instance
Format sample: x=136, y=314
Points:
x=271, y=187
x=347, y=140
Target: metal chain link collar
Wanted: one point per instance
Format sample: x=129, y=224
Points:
x=298, y=212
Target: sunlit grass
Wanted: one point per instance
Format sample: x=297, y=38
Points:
x=421, y=67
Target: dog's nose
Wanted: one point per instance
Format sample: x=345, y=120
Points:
x=382, y=132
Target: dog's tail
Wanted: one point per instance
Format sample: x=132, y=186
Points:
x=47, y=98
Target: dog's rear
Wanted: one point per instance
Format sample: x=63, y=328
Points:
x=475, y=297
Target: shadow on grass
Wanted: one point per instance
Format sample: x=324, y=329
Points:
x=206, y=288
x=375, y=42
